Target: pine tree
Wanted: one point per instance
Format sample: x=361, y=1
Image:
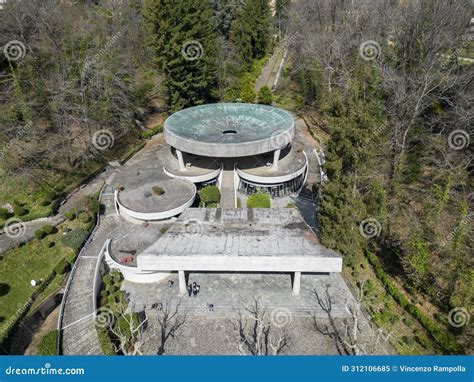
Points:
x=182, y=37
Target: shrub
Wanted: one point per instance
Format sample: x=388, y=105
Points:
x=247, y=94
x=259, y=200
x=51, y=244
x=209, y=195
x=45, y=203
x=95, y=206
x=105, y=343
x=47, y=345
x=48, y=229
x=158, y=190
x=265, y=96
x=70, y=215
x=62, y=267
x=50, y=196
x=107, y=279
x=291, y=205
x=39, y=234
x=147, y=134
x=84, y=217
x=75, y=238
x=19, y=210
x=3, y=213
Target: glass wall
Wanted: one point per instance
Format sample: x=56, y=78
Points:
x=275, y=190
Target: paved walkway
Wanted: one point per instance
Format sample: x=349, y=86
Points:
x=227, y=189
x=78, y=325
x=269, y=73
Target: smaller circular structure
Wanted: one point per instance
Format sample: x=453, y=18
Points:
x=229, y=130
x=142, y=203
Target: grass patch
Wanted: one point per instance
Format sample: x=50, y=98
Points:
x=47, y=345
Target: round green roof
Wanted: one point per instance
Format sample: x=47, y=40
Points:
x=224, y=129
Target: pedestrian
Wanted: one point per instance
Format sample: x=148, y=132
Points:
x=195, y=292
x=190, y=289
x=210, y=307
x=194, y=285
x=170, y=283
x=198, y=288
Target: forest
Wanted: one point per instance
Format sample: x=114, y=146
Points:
x=385, y=86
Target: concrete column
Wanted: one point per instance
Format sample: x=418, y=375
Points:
x=182, y=282
x=276, y=158
x=297, y=284
x=182, y=167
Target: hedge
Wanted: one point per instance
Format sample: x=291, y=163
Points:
x=48, y=229
x=62, y=267
x=75, y=239
x=105, y=343
x=259, y=200
x=147, y=134
x=445, y=340
x=130, y=153
x=47, y=345
x=209, y=195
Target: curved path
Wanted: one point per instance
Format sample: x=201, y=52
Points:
x=78, y=332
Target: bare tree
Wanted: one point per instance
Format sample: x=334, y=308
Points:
x=353, y=335
x=257, y=334
x=169, y=320
x=128, y=331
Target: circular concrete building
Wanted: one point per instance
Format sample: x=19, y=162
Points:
x=236, y=146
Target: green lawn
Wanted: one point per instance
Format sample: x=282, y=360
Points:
x=18, y=267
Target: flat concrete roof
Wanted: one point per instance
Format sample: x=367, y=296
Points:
x=229, y=129
x=143, y=199
x=240, y=240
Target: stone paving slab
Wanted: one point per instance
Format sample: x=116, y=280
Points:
x=227, y=292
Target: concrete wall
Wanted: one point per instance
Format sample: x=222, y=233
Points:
x=308, y=264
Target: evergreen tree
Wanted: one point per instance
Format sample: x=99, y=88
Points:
x=182, y=38
x=265, y=96
x=250, y=31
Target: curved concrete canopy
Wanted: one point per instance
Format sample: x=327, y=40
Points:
x=229, y=129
